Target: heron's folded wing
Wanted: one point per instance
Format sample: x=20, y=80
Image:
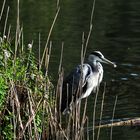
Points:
x=86, y=73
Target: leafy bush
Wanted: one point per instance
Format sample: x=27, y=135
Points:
x=24, y=89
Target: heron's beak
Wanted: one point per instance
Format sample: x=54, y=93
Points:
x=109, y=62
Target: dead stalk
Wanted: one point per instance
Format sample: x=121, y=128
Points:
x=83, y=118
x=8, y=35
x=3, y=5
x=101, y=112
x=61, y=58
x=17, y=30
x=39, y=45
x=94, y=111
x=47, y=60
x=58, y=3
x=5, y=25
x=50, y=32
x=90, y=28
x=113, y=116
x=87, y=131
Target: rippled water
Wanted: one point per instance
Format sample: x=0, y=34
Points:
x=116, y=33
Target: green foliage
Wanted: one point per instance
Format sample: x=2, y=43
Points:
x=20, y=76
x=7, y=129
x=3, y=89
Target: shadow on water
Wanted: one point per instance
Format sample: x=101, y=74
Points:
x=116, y=34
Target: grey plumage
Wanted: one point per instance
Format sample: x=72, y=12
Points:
x=88, y=76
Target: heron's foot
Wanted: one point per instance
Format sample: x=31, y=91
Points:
x=67, y=111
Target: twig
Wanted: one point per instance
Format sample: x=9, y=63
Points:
x=61, y=59
x=57, y=4
x=31, y=118
x=47, y=60
x=87, y=129
x=54, y=121
x=3, y=5
x=92, y=12
x=113, y=117
x=17, y=30
x=98, y=134
x=9, y=31
x=94, y=111
x=39, y=44
x=90, y=27
x=83, y=117
x=52, y=26
x=129, y=122
x=6, y=21
x=17, y=103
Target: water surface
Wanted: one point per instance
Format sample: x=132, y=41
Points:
x=116, y=33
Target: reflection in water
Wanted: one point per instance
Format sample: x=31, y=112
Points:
x=116, y=33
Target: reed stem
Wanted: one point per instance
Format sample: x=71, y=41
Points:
x=5, y=25
x=48, y=38
x=3, y=5
x=114, y=108
x=102, y=105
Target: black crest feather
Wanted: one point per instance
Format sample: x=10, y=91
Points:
x=97, y=54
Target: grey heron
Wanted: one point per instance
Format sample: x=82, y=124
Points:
x=88, y=76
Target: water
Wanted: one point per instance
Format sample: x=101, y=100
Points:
x=116, y=33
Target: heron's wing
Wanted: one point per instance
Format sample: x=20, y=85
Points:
x=78, y=74
x=70, y=86
x=74, y=77
x=72, y=82
x=86, y=73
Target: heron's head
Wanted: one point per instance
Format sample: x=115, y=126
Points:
x=97, y=56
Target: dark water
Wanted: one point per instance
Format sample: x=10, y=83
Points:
x=116, y=33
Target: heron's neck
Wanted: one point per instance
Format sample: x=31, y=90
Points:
x=93, y=63
x=96, y=67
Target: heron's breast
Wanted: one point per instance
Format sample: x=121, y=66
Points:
x=95, y=79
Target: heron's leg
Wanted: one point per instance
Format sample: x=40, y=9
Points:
x=68, y=109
